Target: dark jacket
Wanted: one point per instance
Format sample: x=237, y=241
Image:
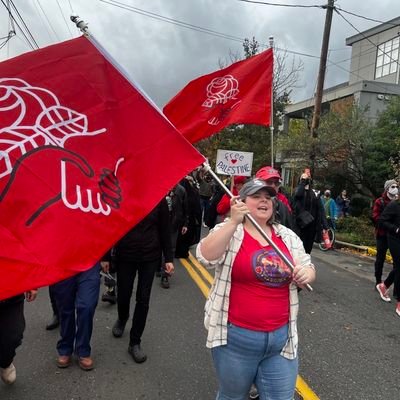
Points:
x=390, y=219
x=150, y=238
x=178, y=208
x=283, y=215
x=13, y=300
x=307, y=200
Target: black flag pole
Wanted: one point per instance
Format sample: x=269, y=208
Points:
x=284, y=258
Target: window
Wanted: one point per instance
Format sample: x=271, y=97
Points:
x=387, y=58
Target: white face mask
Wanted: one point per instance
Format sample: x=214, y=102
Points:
x=393, y=191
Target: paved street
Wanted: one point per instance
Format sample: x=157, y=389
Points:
x=349, y=340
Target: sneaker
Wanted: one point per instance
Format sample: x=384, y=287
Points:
x=53, y=324
x=9, y=374
x=118, y=328
x=109, y=296
x=253, y=394
x=383, y=292
x=137, y=353
x=165, y=282
x=398, y=309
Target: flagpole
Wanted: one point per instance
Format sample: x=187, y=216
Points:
x=284, y=258
x=271, y=125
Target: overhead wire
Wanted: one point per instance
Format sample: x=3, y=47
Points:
x=23, y=23
x=48, y=21
x=282, y=4
x=66, y=23
x=28, y=41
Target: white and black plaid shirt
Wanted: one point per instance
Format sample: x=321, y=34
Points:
x=217, y=305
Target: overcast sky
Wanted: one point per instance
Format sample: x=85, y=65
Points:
x=163, y=57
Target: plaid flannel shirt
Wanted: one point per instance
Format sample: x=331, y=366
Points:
x=217, y=305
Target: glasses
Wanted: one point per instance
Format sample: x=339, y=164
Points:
x=275, y=182
x=394, y=186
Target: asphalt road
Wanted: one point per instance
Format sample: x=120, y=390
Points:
x=349, y=340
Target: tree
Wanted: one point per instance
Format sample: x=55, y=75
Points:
x=255, y=138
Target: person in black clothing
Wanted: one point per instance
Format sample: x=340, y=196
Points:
x=390, y=221
x=309, y=216
x=389, y=194
x=178, y=211
x=54, y=322
x=192, y=236
x=12, y=326
x=140, y=251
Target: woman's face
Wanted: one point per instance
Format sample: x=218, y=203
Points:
x=260, y=205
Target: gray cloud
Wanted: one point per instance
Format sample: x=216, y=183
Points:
x=163, y=57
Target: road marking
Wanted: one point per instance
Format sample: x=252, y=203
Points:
x=302, y=388
x=209, y=278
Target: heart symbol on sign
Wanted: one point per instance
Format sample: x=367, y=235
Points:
x=233, y=161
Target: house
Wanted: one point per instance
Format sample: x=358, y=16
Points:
x=374, y=78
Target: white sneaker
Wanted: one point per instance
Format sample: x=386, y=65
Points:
x=9, y=374
x=398, y=309
x=383, y=292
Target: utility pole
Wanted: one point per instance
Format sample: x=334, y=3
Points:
x=321, y=78
x=271, y=125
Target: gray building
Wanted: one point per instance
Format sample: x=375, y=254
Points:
x=374, y=78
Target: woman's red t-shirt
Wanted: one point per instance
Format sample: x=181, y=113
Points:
x=259, y=297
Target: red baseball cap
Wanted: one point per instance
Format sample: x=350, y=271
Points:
x=239, y=179
x=266, y=173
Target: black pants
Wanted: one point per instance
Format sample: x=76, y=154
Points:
x=53, y=300
x=307, y=236
x=381, y=249
x=12, y=326
x=126, y=273
x=394, y=247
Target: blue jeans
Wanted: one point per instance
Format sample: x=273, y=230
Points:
x=252, y=356
x=76, y=299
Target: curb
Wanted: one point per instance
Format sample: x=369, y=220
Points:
x=370, y=251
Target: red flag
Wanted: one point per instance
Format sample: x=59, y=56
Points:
x=240, y=93
x=83, y=157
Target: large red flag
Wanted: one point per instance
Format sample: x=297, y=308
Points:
x=83, y=157
x=240, y=93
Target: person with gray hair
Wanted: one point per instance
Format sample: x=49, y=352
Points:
x=251, y=311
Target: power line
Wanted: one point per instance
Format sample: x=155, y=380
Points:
x=172, y=20
x=366, y=18
x=283, y=5
x=66, y=23
x=367, y=38
x=23, y=23
x=19, y=27
x=48, y=21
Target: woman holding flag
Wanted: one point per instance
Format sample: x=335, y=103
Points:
x=252, y=308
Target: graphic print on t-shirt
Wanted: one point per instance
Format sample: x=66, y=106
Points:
x=270, y=269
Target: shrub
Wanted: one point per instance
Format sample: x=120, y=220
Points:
x=356, y=230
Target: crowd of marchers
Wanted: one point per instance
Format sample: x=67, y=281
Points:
x=251, y=311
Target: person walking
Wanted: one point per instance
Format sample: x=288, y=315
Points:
x=12, y=326
x=76, y=298
x=251, y=311
x=309, y=215
x=330, y=210
x=272, y=178
x=139, y=252
x=389, y=220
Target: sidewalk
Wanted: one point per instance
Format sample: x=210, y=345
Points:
x=360, y=265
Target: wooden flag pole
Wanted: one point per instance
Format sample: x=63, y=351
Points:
x=283, y=256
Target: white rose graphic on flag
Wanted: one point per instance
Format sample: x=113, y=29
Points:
x=219, y=91
x=31, y=120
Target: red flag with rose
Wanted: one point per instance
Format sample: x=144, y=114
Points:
x=83, y=157
x=238, y=94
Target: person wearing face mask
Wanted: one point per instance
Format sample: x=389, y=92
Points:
x=386, y=212
x=309, y=215
x=330, y=208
